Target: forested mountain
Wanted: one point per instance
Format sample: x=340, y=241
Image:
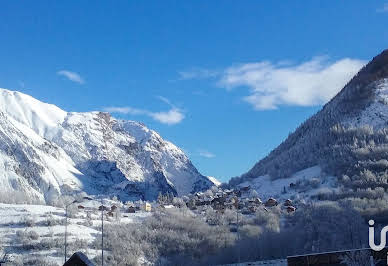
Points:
x=347, y=138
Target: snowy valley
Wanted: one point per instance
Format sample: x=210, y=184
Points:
x=326, y=179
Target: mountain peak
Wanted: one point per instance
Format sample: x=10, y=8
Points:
x=357, y=89
x=361, y=91
x=24, y=109
x=376, y=69
x=46, y=152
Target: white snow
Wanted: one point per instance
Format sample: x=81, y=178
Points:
x=39, y=116
x=267, y=188
x=13, y=217
x=215, y=181
x=83, y=151
x=376, y=114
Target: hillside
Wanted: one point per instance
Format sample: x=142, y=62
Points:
x=347, y=138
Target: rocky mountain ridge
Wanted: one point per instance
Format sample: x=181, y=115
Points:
x=46, y=152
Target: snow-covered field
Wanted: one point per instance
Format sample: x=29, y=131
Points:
x=301, y=185
x=49, y=224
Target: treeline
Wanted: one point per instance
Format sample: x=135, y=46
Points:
x=177, y=237
x=323, y=139
x=358, y=156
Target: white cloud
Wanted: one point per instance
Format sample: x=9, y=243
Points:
x=206, y=154
x=309, y=83
x=125, y=110
x=75, y=77
x=170, y=117
x=383, y=9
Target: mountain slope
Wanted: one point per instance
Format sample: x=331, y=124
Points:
x=46, y=152
x=347, y=138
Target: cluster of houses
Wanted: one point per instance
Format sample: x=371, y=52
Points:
x=113, y=210
x=244, y=199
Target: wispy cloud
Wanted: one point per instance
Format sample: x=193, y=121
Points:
x=170, y=117
x=206, y=154
x=73, y=76
x=383, y=9
x=21, y=84
x=125, y=110
x=309, y=83
x=198, y=73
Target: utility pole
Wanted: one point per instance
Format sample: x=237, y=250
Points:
x=66, y=233
x=66, y=207
x=238, y=234
x=102, y=232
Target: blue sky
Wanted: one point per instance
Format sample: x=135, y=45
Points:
x=226, y=81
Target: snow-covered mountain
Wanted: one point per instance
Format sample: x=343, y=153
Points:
x=46, y=152
x=347, y=139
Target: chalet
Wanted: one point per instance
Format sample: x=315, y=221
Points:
x=219, y=200
x=228, y=192
x=291, y=209
x=199, y=194
x=258, y=201
x=110, y=214
x=168, y=206
x=202, y=202
x=147, y=206
x=231, y=202
x=203, y=199
x=219, y=207
x=288, y=202
x=245, y=189
x=131, y=209
x=78, y=259
x=191, y=204
x=100, y=208
x=231, y=199
x=255, y=201
x=271, y=202
x=220, y=194
x=113, y=208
